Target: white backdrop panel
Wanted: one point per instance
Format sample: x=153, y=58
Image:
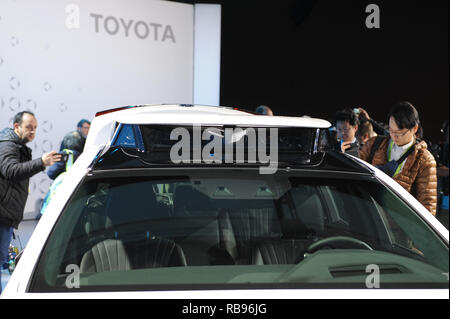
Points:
x=66, y=60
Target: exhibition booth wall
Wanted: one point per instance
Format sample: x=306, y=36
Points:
x=66, y=60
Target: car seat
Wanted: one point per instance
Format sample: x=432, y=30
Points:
x=115, y=255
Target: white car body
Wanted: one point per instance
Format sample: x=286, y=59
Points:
x=101, y=133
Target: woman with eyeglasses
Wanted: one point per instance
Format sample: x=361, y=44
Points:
x=403, y=157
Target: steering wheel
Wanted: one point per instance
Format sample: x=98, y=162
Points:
x=337, y=242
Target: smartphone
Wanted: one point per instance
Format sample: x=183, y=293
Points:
x=64, y=157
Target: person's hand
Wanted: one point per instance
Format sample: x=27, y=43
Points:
x=363, y=115
x=345, y=146
x=442, y=171
x=50, y=158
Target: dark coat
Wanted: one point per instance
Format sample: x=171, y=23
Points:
x=16, y=168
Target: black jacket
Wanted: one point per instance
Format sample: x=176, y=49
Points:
x=16, y=168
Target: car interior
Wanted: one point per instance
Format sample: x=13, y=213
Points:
x=145, y=224
x=131, y=223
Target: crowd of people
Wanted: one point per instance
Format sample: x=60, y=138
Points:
x=397, y=148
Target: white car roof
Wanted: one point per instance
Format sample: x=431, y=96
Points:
x=102, y=127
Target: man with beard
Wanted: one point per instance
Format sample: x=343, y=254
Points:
x=16, y=169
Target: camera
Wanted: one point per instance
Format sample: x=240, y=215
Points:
x=354, y=144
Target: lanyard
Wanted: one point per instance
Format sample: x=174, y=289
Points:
x=400, y=165
x=69, y=159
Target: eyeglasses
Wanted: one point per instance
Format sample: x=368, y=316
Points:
x=397, y=134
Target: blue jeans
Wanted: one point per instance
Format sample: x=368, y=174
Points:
x=5, y=240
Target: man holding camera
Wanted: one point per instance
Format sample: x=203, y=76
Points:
x=346, y=126
x=16, y=169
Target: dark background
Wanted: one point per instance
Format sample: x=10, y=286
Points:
x=307, y=57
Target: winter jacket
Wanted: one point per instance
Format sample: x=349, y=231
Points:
x=16, y=168
x=418, y=175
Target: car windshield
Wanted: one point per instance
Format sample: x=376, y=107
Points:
x=217, y=228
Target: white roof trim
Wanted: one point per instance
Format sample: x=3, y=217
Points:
x=102, y=126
